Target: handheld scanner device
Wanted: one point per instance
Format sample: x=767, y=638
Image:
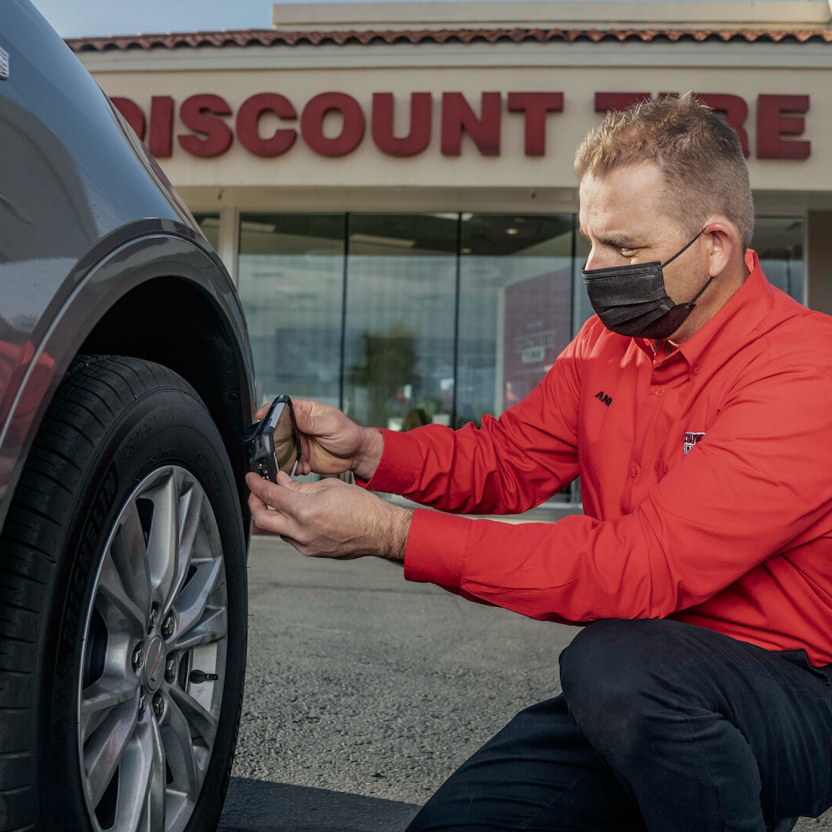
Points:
x=274, y=444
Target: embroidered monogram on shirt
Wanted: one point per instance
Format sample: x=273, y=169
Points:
x=607, y=400
x=691, y=438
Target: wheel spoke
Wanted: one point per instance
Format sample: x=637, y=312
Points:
x=200, y=721
x=192, y=601
x=121, y=614
x=179, y=749
x=106, y=747
x=211, y=627
x=163, y=544
x=129, y=553
x=141, y=806
x=190, y=512
x=99, y=699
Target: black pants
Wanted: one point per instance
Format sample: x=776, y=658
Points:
x=661, y=726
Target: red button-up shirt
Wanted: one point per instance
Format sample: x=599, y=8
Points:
x=706, y=478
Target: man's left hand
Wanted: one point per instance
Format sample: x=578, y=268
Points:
x=329, y=519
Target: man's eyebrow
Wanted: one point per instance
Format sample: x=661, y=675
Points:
x=614, y=239
x=617, y=239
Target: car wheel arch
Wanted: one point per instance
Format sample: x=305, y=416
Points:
x=161, y=298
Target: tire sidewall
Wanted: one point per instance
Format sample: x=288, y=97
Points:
x=165, y=426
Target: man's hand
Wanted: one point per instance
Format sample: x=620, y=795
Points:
x=329, y=519
x=331, y=443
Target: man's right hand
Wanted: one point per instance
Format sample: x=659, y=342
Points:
x=331, y=443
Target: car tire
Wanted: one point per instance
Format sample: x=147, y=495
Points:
x=127, y=451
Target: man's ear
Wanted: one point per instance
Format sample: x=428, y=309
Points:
x=725, y=245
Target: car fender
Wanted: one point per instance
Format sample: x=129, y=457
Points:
x=156, y=249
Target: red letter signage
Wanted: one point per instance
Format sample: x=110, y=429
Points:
x=160, y=143
x=312, y=124
x=772, y=123
x=779, y=118
x=618, y=101
x=132, y=113
x=248, y=124
x=457, y=116
x=199, y=114
x=417, y=139
x=536, y=105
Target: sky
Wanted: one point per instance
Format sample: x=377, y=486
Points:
x=80, y=18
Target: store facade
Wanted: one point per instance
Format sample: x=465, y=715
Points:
x=391, y=185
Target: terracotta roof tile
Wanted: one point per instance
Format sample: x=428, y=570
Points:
x=271, y=37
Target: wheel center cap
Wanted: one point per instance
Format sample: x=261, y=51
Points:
x=154, y=663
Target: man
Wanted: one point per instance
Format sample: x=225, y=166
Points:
x=696, y=408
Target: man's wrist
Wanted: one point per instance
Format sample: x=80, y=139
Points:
x=372, y=446
x=396, y=532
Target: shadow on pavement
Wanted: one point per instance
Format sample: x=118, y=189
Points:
x=260, y=806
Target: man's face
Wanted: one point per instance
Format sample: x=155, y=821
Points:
x=623, y=218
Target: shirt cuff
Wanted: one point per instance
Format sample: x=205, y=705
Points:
x=436, y=547
x=400, y=462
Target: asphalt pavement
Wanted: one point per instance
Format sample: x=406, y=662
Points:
x=364, y=692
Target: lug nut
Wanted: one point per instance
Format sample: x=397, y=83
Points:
x=158, y=705
x=167, y=626
x=170, y=667
x=142, y=704
x=138, y=657
x=152, y=622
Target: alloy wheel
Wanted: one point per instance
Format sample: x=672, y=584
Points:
x=154, y=659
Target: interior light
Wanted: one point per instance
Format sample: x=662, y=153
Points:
x=512, y=231
x=373, y=240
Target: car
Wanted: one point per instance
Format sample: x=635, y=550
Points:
x=126, y=383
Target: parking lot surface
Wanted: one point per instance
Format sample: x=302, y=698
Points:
x=364, y=692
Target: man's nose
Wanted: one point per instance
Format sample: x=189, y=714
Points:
x=598, y=259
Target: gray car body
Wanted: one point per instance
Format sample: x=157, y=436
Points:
x=97, y=253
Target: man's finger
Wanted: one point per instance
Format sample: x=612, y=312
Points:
x=271, y=521
x=271, y=494
x=285, y=481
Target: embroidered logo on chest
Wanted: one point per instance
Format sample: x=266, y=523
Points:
x=691, y=438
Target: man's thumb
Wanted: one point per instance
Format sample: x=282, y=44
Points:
x=287, y=482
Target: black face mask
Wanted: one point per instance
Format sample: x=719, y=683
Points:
x=631, y=300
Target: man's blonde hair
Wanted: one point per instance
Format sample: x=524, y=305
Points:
x=699, y=155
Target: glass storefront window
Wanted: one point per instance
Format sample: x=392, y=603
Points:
x=778, y=242
x=400, y=319
x=209, y=224
x=291, y=281
x=515, y=307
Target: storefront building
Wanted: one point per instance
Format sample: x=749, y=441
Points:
x=391, y=185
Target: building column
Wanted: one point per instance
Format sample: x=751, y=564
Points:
x=229, y=240
x=819, y=260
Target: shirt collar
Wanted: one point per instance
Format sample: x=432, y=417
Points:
x=732, y=322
